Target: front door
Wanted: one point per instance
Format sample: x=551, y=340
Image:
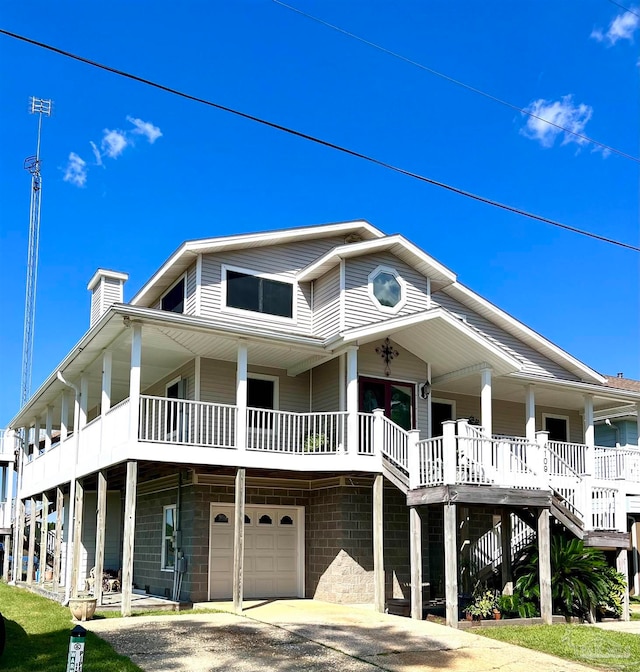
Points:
x=396, y=399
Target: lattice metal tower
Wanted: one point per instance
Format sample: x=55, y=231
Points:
x=32, y=164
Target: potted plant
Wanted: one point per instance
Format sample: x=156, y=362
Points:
x=315, y=443
x=83, y=606
x=483, y=605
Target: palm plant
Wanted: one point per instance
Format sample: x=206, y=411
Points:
x=578, y=579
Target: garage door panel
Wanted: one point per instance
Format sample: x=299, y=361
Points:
x=271, y=558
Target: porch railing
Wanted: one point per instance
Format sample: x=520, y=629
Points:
x=395, y=444
x=616, y=463
x=288, y=432
x=365, y=430
x=567, y=457
x=430, y=462
x=197, y=423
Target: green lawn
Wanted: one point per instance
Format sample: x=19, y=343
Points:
x=608, y=650
x=38, y=637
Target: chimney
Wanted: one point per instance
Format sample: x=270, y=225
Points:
x=620, y=374
x=107, y=288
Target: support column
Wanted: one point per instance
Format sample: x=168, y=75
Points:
x=378, y=544
x=36, y=438
x=44, y=533
x=32, y=540
x=544, y=566
x=342, y=378
x=64, y=416
x=84, y=400
x=241, y=395
x=77, y=537
x=5, y=565
x=505, y=538
x=415, y=545
x=48, y=428
x=352, y=400
x=134, y=381
x=530, y=414
x=589, y=432
x=18, y=542
x=238, y=541
x=8, y=541
x=101, y=526
x=623, y=567
x=129, y=536
x=107, y=366
x=57, y=549
x=485, y=402
x=451, y=565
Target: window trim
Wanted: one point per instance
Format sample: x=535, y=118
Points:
x=258, y=274
x=400, y=280
x=163, y=559
x=557, y=416
x=183, y=277
x=276, y=386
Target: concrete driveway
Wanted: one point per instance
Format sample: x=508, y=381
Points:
x=311, y=636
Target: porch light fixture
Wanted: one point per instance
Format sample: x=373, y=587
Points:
x=425, y=390
x=387, y=352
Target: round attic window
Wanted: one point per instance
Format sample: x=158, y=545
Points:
x=387, y=289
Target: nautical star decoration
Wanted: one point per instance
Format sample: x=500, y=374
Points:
x=387, y=352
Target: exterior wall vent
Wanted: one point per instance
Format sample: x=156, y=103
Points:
x=353, y=238
x=107, y=288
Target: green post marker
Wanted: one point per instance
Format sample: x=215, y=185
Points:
x=76, y=649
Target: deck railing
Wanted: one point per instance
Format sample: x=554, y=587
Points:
x=288, y=432
x=616, y=463
x=567, y=458
x=196, y=423
x=395, y=444
x=430, y=462
x=365, y=429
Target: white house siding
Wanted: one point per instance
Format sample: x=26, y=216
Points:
x=326, y=387
x=187, y=371
x=190, y=304
x=283, y=260
x=576, y=425
x=112, y=289
x=326, y=303
x=404, y=368
x=218, y=385
x=359, y=307
x=96, y=302
x=534, y=362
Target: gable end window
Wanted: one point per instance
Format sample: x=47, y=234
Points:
x=387, y=289
x=258, y=294
x=173, y=300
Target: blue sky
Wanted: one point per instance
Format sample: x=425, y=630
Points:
x=163, y=169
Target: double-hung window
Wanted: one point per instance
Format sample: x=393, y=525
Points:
x=168, y=538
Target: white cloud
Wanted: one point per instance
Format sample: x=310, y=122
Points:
x=113, y=143
x=76, y=170
x=96, y=153
x=146, y=128
x=561, y=113
x=623, y=27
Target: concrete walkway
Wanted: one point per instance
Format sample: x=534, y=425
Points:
x=311, y=636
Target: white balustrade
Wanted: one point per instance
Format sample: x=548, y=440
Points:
x=395, y=444
x=617, y=463
x=289, y=432
x=365, y=427
x=603, y=508
x=567, y=458
x=183, y=421
x=431, y=461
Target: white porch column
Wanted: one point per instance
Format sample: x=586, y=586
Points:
x=48, y=428
x=238, y=540
x=544, y=566
x=485, y=402
x=451, y=565
x=84, y=400
x=589, y=434
x=241, y=395
x=415, y=555
x=134, y=380
x=342, y=390
x=64, y=416
x=530, y=414
x=131, y=489
x=42, y=556
x=623, y=568
x=352, y=400
x=590, y=452
x=107, y=366
x=36, y=437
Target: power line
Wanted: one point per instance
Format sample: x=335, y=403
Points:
x=626, y=9
x=319, y=141
x=457, y=82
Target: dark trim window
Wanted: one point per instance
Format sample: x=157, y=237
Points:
x=173, y=300
x=258, y=294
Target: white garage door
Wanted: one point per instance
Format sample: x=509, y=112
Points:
x=273, y=542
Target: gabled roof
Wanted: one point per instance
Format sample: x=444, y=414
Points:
x=186, y=254
x=512, y=326
x=621, y=383
x=397, y=244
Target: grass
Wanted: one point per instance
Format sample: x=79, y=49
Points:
x=608, y=650
x=156, y=612
x=38, y=637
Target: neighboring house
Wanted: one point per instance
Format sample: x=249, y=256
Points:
x=317, y=412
